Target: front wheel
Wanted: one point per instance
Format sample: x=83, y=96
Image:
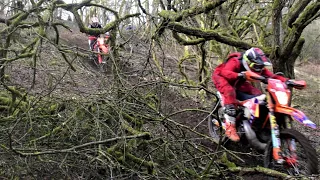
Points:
x=301, y=161
x=105, y=65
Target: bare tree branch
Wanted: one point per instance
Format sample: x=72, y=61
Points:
x=209, y=35
x=179, y=16
x=296, y=10
x=72, y=149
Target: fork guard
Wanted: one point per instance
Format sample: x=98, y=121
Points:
x=296, y=115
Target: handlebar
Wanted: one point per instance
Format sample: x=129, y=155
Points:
x=296, y=84
x=252, y=76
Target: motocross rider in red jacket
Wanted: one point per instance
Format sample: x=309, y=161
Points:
x=92, y=38
x=230, y=82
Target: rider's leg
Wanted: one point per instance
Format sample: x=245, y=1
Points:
x=229, y=115
x=89, y=41
x=91, y=44
x=229, y=95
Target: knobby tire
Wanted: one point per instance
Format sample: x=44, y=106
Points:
x=308, y=151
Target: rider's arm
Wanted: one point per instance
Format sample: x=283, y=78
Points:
x=230, y=70
x=267, y=73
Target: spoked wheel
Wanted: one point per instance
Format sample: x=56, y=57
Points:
x=104, y=66
x=302, y=161
x=96, y=62
x=215, y=125
x=93, y=59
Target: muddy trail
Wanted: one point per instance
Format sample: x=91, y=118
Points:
x=55, y=78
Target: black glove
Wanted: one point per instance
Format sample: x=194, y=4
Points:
x=289, y=82
x=242, y=75
x=265, y=81
x=230, y=109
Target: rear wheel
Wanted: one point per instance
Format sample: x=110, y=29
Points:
x=303, y=162
x=215, y=125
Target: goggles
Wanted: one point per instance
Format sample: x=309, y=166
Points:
x=253, y=66
x=256, y=67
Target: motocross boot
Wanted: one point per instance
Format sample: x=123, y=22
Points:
x=231, y=130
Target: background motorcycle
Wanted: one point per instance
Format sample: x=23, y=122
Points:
x=266, y=122
x=102, y=48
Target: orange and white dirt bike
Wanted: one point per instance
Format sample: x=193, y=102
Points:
x=267, y=122
x=101, y=48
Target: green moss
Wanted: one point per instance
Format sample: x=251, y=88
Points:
x=54, y=62
x=224, y=160
x=53, y=107
x=168, y=14
x=192, y=173
x=5, y=101
x=152, y=100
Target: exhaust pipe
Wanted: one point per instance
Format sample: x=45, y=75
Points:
x=251, y=136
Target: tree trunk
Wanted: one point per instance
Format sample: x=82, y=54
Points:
x=284, y=62
x=285, y=66
x=3, y=54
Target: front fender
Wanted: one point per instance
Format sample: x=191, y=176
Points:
x=296, y=115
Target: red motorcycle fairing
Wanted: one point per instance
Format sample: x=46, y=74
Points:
x=102, y=45
x=253, y=107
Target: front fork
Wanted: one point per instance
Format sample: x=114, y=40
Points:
x=275, y=137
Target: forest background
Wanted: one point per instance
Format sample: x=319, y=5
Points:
x=145, y=118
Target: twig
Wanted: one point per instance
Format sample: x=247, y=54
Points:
x=142, y=135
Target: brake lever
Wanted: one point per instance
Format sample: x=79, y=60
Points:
x=290, y=83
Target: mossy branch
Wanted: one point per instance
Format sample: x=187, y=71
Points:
x=55, y=130
x=209, y=35
x=185, y=42
x=259, y=170
x=66, y=59
x=74, y=148
x=257, y=23
x=27, y=25
x=181, y=68
x=20, y=56
x=131, y=130
x=76, y=6
x=125, y=157
x=297, y=27
x=308, y=13
x=295, y=11
x=178, y=16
